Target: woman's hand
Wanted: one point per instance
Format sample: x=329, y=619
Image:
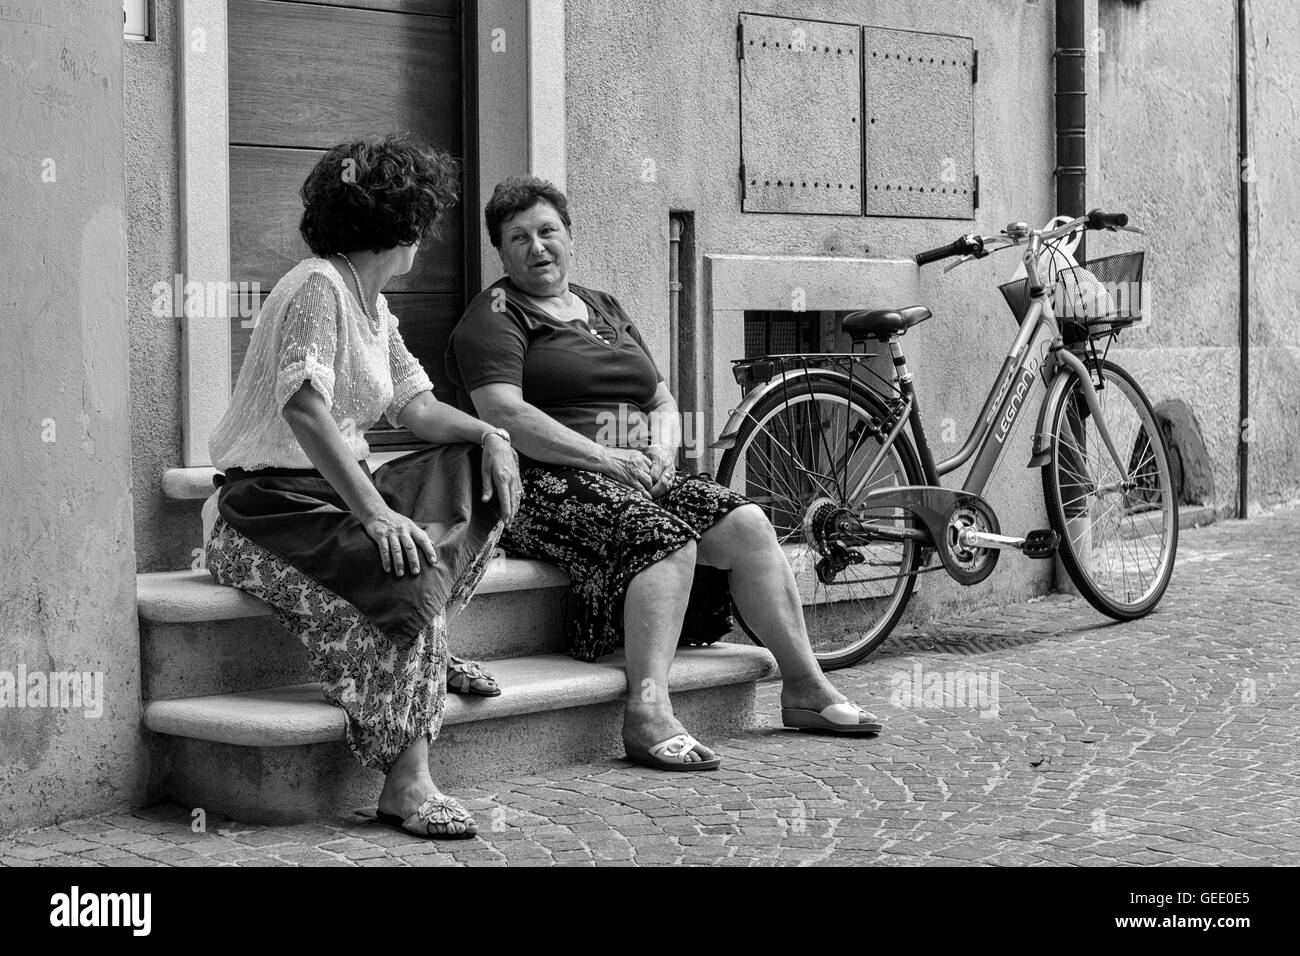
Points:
x=663, y=469
x=628, y=467
x=501, y=476
x=400, y=541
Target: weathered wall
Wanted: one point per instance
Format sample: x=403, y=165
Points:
x=165, y=531
x=67, y=599
x=659, y=81
x=1166, y=131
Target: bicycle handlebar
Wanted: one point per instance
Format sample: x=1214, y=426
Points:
x=964, y=246
x=1106, y=220
x=974, y=246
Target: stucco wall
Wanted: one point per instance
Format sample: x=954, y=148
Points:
x=67, y=595
x=1166, y=131
x=659, y=81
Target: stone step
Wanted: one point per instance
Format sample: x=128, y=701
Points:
x=278, y=755
x=198, y=637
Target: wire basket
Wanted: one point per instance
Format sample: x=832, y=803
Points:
x=1095, y=298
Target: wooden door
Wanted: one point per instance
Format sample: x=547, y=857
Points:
x=307, y=75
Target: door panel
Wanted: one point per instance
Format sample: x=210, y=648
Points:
x=307, y=75
x=432, y=8
x=265, y=210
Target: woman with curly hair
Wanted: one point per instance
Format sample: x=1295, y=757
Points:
x=364, y=568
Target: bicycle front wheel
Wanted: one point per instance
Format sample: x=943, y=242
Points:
x=807, y=455
x=1118, y=527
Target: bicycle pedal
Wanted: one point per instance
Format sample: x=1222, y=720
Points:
x=1041, y=544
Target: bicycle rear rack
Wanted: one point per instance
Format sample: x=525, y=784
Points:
x=759, y=370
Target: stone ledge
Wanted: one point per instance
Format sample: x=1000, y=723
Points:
x=179, y=597
x=195, y=483
x=298, y=716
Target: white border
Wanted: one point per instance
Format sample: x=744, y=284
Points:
x=204, y=152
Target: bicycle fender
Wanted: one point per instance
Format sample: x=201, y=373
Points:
x=1046, y=411
x=1074, y=368
x=738, y=415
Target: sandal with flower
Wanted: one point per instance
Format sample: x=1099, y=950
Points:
x=469, y=677
x=440, y=817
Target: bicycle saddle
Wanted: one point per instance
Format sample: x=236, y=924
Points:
x=884, y=323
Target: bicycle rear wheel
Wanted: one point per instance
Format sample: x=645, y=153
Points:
x=799, y=455
x=1119, y=530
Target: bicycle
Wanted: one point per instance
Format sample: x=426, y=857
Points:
x=818, y=441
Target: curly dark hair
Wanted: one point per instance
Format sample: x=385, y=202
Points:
x=375, y=193
x=514, y=195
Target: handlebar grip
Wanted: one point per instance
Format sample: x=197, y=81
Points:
x=943, y=252
x=1107, y=220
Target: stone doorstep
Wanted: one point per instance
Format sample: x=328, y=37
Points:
x=298, y=715
x=181, y=597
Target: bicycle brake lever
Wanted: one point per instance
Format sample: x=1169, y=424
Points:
x=961, y=261
x=1140, y=232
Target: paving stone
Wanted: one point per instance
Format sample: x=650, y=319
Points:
x=1114, y=744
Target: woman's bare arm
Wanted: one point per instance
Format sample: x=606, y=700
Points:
x=396, y=536
x=318, y=434
x=542, y=438
x=440, y=423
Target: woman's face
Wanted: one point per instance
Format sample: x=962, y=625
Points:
x=405, y=258
x=535, y=250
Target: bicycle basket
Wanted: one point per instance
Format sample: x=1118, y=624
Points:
x=1098, y=297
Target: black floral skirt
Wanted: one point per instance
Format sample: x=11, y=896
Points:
x=602, y=534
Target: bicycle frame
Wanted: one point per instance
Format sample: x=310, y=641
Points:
x=1037, y=348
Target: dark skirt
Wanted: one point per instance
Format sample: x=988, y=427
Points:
x=297, y=515
x=602, y=533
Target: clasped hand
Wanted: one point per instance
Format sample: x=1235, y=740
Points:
x=650, y=470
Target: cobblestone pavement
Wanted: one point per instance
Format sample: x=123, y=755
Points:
x=1170, y=740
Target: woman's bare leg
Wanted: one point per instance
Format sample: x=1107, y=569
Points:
x=653, y=611
x=409, y=782
x=744, y=544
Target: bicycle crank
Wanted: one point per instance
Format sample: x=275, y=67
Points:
x=1037, y=544
x=969, y=546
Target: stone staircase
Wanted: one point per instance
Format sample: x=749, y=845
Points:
x=237, y=727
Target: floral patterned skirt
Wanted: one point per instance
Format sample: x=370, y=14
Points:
x=602, y=533
x=377, y=643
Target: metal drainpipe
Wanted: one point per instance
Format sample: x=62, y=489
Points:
x=674, y=299
x=1243, y=319
x=1071, y=113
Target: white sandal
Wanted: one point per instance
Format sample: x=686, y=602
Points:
x=670, y=754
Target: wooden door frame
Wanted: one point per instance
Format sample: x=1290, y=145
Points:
x=523, y=131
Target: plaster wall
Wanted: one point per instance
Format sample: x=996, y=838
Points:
x=657, y=81
x=67, y=596
x=1166, y=133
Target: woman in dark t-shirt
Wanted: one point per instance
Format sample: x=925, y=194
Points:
x=653, y=557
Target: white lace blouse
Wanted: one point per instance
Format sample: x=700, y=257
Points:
x=311, y=329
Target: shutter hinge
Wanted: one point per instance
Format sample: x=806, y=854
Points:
x=975, y=68
x=742, y=182
x=976, y=197
x=740, y=39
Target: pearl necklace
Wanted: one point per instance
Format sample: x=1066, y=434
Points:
x=361, y=292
